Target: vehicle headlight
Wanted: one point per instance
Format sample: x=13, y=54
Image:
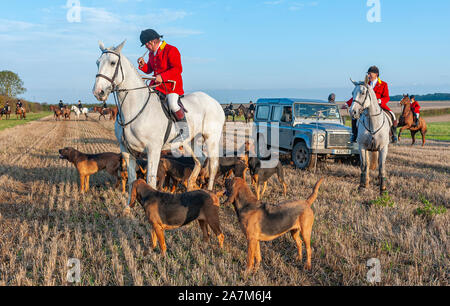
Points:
x=321, y=138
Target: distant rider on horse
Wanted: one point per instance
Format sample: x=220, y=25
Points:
x=19, y=105
x=251, y=108
x=165, y=62
x=104, y=106
x=80, y=106
x=61, y=105
x=415, y=107
x=382, y=92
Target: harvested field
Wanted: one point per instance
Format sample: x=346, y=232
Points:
x=44, y=221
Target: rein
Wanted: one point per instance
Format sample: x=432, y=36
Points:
x=373, y=133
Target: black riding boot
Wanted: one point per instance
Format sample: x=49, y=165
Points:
x=394, y=134
x=416, y=120
x=354, y=130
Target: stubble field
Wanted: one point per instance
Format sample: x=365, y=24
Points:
x=44, y=222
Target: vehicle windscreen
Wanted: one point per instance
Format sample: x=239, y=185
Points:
x=314, y=111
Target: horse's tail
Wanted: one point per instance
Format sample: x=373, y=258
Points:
x=373, y=160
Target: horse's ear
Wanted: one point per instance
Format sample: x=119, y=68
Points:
x=354, y=83
x=366, y=81
x=119, y=48
x=101, y=45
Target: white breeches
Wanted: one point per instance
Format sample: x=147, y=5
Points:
x=173, y=102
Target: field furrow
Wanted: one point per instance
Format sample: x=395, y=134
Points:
x=45, y=221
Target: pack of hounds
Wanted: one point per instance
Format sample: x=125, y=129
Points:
x=167, y=210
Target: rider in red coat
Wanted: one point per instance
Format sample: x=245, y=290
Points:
x=382, y=92
x=415, y=107
x=165, y=62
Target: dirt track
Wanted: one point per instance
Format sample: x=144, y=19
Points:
x=44, y=222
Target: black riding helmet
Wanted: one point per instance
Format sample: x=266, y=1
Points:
x=374, y=69
x=149, y=35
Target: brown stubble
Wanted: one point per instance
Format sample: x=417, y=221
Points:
x=44, y=221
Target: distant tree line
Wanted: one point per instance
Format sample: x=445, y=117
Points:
x=428, y=97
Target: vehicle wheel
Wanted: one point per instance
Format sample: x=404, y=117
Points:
x=302, y=156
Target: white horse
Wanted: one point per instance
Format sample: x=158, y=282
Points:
x=77, y=112
x=373, y=132
x=142, y=125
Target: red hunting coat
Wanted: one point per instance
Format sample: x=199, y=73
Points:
x=415, y=107
x=167, y=63
x=382, y=92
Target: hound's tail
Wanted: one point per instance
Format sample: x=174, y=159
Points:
x=315, y=193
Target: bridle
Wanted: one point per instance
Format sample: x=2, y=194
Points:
x=115, y=90
x=369, y=129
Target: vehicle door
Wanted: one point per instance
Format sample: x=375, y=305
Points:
x=286, y=130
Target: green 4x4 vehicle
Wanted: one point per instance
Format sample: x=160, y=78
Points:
x=308, y=129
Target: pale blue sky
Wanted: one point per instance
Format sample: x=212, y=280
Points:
x=233, y=49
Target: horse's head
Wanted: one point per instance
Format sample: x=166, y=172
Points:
x=110, y=73
x=360, y=98
x=406, y=100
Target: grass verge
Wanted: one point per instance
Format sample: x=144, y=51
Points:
x=6, y=124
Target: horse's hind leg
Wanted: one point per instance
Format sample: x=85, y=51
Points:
x=423, y=133
x=382, y=155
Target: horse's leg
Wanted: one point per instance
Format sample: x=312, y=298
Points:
x=413, y=136
x=131, y=169
x=364, y=182
x=400, y=132
x=423, y=132
x=213, y=154
x=154, y=157
x=382, y=155
x=198, y=166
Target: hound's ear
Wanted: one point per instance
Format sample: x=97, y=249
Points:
x=119, y=48
x=101, y=46
x=72, y=154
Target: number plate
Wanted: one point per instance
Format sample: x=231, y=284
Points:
x=342, y=152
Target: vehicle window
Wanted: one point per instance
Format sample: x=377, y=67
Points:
x=315, y=111
x=263, y=112
x=276, y=113
x=287, y=114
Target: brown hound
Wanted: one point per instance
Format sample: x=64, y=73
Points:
x=166, y=211
x=263, y=222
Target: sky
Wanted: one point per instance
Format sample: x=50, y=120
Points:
x=235, y=50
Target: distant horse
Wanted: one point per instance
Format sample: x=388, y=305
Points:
x=56, y=112
x=373, y=132
x=102, y=112
x=66, y=113
x=77, y=112
x=246, y=112
x=21, y=112
x=406, y=121
x=142, y=125
x=229, y=111
x=5, y=111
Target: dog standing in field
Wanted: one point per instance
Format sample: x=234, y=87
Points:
x=166, y=211
x=263, y=222
x=261, y=175
x=89, y=164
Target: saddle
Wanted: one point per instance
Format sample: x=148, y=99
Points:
x=392, y=117
x=170, y=116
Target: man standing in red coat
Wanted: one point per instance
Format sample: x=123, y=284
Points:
x=382, y=91
x=165, y=62
x=415, y=107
